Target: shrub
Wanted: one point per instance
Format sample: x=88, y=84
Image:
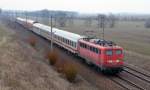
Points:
x=52, y=57
x=70, y=71
x=32, y=41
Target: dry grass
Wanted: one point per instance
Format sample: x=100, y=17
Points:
x=32, y=41
x=52, y=57
x=60, y=65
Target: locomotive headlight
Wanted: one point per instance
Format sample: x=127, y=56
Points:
x=110, y=61
x=117, y=61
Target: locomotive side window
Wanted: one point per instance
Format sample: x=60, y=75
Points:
x=109, y=52
x=85, y=46
x=90, y=48
x=93, y=49
x=97, y=51
x=118, y=52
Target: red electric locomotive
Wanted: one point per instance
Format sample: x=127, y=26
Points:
x=104, y=54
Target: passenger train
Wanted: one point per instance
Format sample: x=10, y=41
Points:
x=106, y=55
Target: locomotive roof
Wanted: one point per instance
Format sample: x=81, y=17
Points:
x=62, y=33
x=24, y=20
x=100, y=46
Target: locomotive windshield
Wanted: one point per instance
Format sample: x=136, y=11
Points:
x=109, y=52
x=118, y=52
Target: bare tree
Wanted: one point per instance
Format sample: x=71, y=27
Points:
x=0, y=10
x=61, y=19
x=45, y=16
x=112, y=20
x=88, y=21
x=147, y=23
x=71, y=20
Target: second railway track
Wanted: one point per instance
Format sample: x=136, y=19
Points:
x=131, y=78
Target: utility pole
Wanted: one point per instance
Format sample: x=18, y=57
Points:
x=15, y=18
x=51, y=34
x=103, y=26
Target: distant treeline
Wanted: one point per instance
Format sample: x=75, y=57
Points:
x=61, y=17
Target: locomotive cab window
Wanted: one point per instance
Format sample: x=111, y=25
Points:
x=118, y=52
x=109, y=52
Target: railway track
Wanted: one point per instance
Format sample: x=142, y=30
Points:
x=126, y=83
x=133, y=78
x=122, y=80
x=138, y=70
x=138, y=74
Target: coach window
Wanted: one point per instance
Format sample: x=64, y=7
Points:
x=66, y=41
x=71, y=43
x=75, y=44
x=60, y=38
x=82, y=45
x=63, y=39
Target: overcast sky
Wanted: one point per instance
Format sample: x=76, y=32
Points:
x=84, y=6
